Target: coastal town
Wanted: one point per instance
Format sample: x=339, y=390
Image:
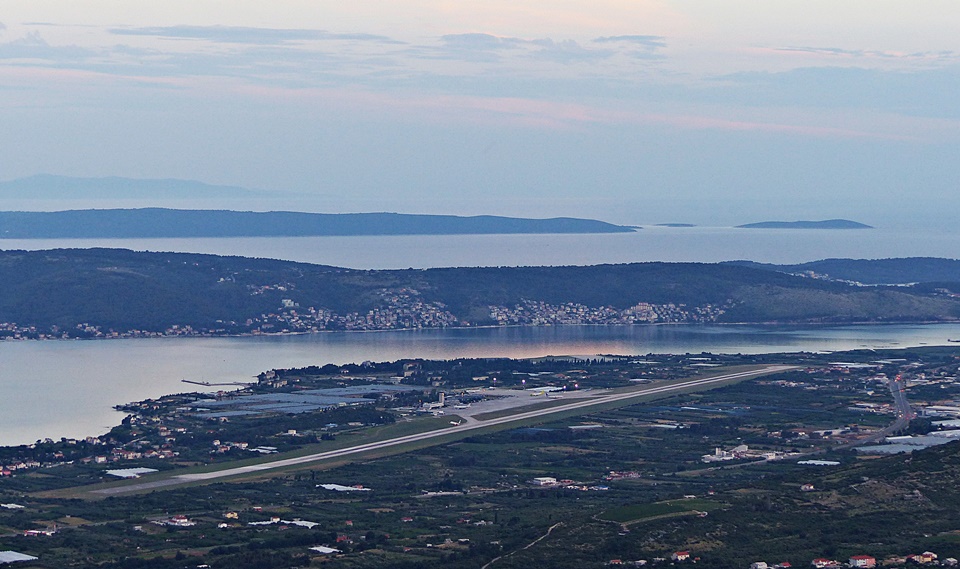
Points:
x=401, y=309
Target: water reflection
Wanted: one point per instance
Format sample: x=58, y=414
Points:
x=68, y=388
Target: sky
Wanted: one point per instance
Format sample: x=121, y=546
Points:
x=639, y=111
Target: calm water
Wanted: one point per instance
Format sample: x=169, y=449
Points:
x=68, y=388
x=696, y=244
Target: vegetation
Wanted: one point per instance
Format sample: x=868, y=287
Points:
x=625, y=490
x=874, y=271
x=640, y=512
x=97, y=292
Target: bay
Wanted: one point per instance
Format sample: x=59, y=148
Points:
x=68, y=388
x=56, y=389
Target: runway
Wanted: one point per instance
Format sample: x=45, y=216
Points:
x=464, y=427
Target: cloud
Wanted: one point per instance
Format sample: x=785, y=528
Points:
x=870, y=53
x=31, y=39
x=649, y=42
x=487, y=47
x=3, y=27
x=482, y=42
x=33, y=47
x=561, y=116
x=473, y=47
x=568, y=51
x=636, y=46
x=284, y=64
x=927, y=92
x=247, y=35
x=490, y=66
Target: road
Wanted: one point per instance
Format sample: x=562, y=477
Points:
x=480, y=424
x=904, y=413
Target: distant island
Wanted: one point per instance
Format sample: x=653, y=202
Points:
x=826, y=224
x=180, y=223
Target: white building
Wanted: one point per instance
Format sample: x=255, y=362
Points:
x=13, y=556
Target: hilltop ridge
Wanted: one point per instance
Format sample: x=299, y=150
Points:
x=103, y=292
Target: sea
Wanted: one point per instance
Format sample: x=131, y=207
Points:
x=651, y=243
x=68, y=388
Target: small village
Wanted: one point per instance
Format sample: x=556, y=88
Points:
x=400, y=309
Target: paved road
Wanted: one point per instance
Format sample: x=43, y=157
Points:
x=583, y=404
x=904, y=413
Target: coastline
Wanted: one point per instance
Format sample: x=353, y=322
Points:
x=785, y=323
x=103, y=374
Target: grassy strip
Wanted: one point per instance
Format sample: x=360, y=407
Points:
x=642, y=512
x=343, y=440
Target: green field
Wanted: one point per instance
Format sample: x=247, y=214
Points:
x=640, y=512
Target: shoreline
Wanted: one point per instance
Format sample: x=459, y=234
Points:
x=938, y=338
x=787, y=323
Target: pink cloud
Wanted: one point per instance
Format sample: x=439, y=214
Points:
x=713, y=123
x=60, y=84
x=835, y=52
x=537, y=113
x=38, y=75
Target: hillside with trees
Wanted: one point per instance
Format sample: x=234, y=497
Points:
x=109, y=290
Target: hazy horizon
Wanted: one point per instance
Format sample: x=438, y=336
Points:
x=651, y=111
x=612, y=210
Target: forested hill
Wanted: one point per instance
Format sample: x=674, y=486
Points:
x=874, y=271
x=96, y=291
x=161, y=222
